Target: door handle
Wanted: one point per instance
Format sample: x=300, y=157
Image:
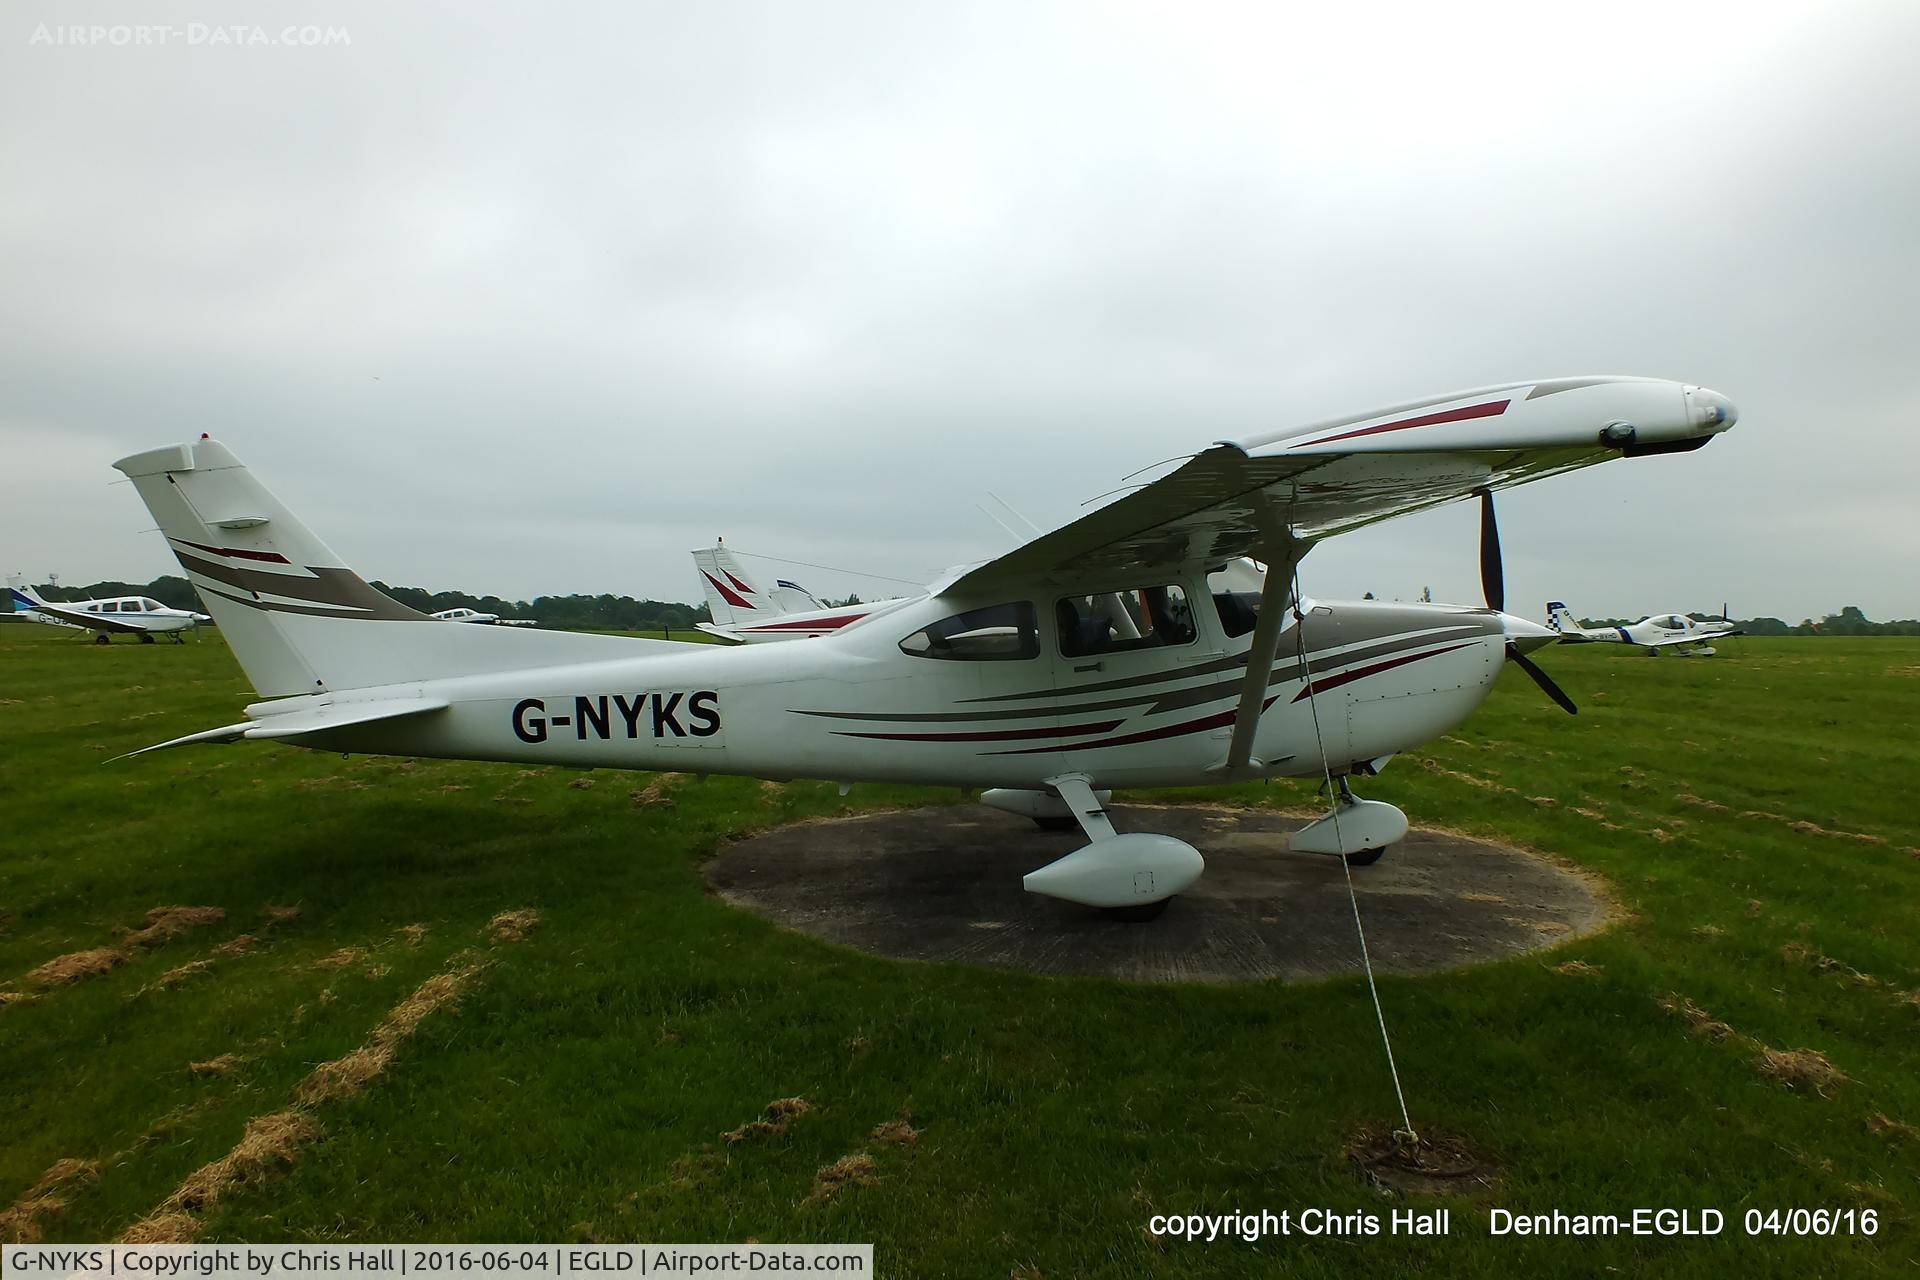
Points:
x=1093, y=666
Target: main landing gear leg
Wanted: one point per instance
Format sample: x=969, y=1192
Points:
x=1357, y=830
x=1130, y=877
x=1048, y=811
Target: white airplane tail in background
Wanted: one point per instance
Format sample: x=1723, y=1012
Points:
x=24, y=596
x=791, y=597
x=298, y=619
x=734, y=599
x=1561, y=619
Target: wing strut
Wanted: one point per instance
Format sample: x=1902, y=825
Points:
x=1275, y=597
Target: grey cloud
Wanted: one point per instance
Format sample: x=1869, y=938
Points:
x=536, y=301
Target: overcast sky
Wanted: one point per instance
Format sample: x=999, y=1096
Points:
x=522, y=302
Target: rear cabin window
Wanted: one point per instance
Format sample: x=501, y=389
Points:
x=1119, y=621
x=1001, y=633
x=1238, y=611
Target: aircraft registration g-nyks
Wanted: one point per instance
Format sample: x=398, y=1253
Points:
x=128, y=615
x=990, y=680
x=1687, y=637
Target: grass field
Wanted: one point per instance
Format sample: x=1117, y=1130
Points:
x=354, y=1052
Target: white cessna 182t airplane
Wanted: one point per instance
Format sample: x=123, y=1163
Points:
x=1687, y=637
x=127, y=615
x=992, y=679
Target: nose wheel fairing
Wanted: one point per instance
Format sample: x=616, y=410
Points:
x=1355, y=829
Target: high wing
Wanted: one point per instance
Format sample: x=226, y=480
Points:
x=93, y=621
x=1273, y=496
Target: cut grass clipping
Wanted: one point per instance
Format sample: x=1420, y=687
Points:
x=271, y=1143
x=20, y=1221
x=1800, y=1069
x=162, y=924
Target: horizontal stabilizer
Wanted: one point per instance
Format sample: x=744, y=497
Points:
x=225, y=733
x=279, y=721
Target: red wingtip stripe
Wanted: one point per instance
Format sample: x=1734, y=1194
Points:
x=1491, y=409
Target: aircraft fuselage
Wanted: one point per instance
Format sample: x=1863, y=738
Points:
x=1389, y=677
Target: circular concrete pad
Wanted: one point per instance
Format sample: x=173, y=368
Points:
x=944, y=884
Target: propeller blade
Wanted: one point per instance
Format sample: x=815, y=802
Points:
x=1541, y=678
x=1493, y=582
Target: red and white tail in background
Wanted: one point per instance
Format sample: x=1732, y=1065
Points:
x=745, y=611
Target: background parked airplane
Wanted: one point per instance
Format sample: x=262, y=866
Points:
x=484, y=619
x=742, y=610
x=1685, y=636
x=134, y=615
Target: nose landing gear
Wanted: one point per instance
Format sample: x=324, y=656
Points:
x=1355, y=829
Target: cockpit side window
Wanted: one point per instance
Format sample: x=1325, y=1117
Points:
x=1118, y=621
x=999, y=633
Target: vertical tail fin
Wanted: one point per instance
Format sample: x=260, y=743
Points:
x=791, y=597
x=1561, y=619
x=298, y=619
x=733, y=598
x=21, y=594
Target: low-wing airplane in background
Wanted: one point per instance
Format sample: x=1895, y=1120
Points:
x=741, y=610
x=1687, y=637
x=484, y=619
x=1109, y=619
x=132, y=615
x=989, y=680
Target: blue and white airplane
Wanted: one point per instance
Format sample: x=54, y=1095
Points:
x=134, y=615
x=1687, y=637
